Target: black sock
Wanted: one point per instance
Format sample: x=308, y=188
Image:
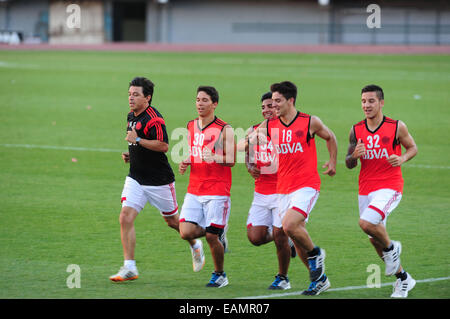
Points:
x=391, y=246
x=314, y=252
x=402, y=275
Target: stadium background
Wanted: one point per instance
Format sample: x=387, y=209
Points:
x=63, y=104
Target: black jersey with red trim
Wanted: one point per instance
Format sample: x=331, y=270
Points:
x=148, y=167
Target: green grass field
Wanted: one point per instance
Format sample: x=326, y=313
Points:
x=60, y=204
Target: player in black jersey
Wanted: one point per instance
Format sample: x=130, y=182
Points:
x=151, y=178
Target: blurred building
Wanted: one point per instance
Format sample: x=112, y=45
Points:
x=231, y=21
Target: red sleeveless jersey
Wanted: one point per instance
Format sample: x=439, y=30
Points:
x=296, y=153
x=264, y=156
x=376, y=172
x=207, y=178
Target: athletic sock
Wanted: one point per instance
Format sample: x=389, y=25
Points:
x=402, y=275
x=130, y=264
x=196, y=245
x=391, y=246
x=314, y=252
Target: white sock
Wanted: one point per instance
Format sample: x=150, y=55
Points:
x=130, y=264
x=196, y=245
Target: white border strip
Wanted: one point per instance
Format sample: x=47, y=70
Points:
x=295, y=293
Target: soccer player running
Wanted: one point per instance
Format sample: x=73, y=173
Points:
x=150, y=178
x=298, y=182
x=377, y=142
x=263, y=214
x=206, y=207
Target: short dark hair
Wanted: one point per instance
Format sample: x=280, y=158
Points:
x=285, y=88
x=211, y=91
x=266, y=96
x=374, y=88
x=146, y=84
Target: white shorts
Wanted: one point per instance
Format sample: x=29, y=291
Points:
x=264, y=211
x=378, y=205
x=163, y=197
x=206, y=211
x=302, y=201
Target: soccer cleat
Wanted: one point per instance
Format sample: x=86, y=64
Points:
x=317, y=265
x=125, y=274
x=392, y=258
x=280, y=283
x=198, y=257
x=401, y=287
x=291, y=245
x=316, y=287
x=218, y=280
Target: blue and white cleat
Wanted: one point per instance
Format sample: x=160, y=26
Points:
x=317, y=265
x=218, y=280
x=316, y=287
x=281, y=282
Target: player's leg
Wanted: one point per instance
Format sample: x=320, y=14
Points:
x=284, y=258
x=374, y=209
x=294, y=226
x=216, y=248
x=164, y=198
x=191, y=228
x=294, y=221
x=259, y=221
x=217, y=211
x=259, y=235
x=133, y=202
x=127, y=231
x=303, y=255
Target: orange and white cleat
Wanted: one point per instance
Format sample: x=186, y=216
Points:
x=125, y=274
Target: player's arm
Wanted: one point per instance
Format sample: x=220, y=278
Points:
x=318, y=128
x=228, y=145
x=182, y=167
x=356, y=149
x=126, y=157
x=242, y=144
x=154, y=145
x=407, y=141
x=259, y=135
x=249, y=162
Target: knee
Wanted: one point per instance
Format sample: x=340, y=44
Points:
x=126, y=217
x=211, y=238
x=365, y=226
x=288, y=227
x=185, y=233
x=254, y=239
x=185, y=236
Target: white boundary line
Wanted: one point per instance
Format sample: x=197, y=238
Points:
x=74, y=148
x=295, y=293
x=62, y=148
